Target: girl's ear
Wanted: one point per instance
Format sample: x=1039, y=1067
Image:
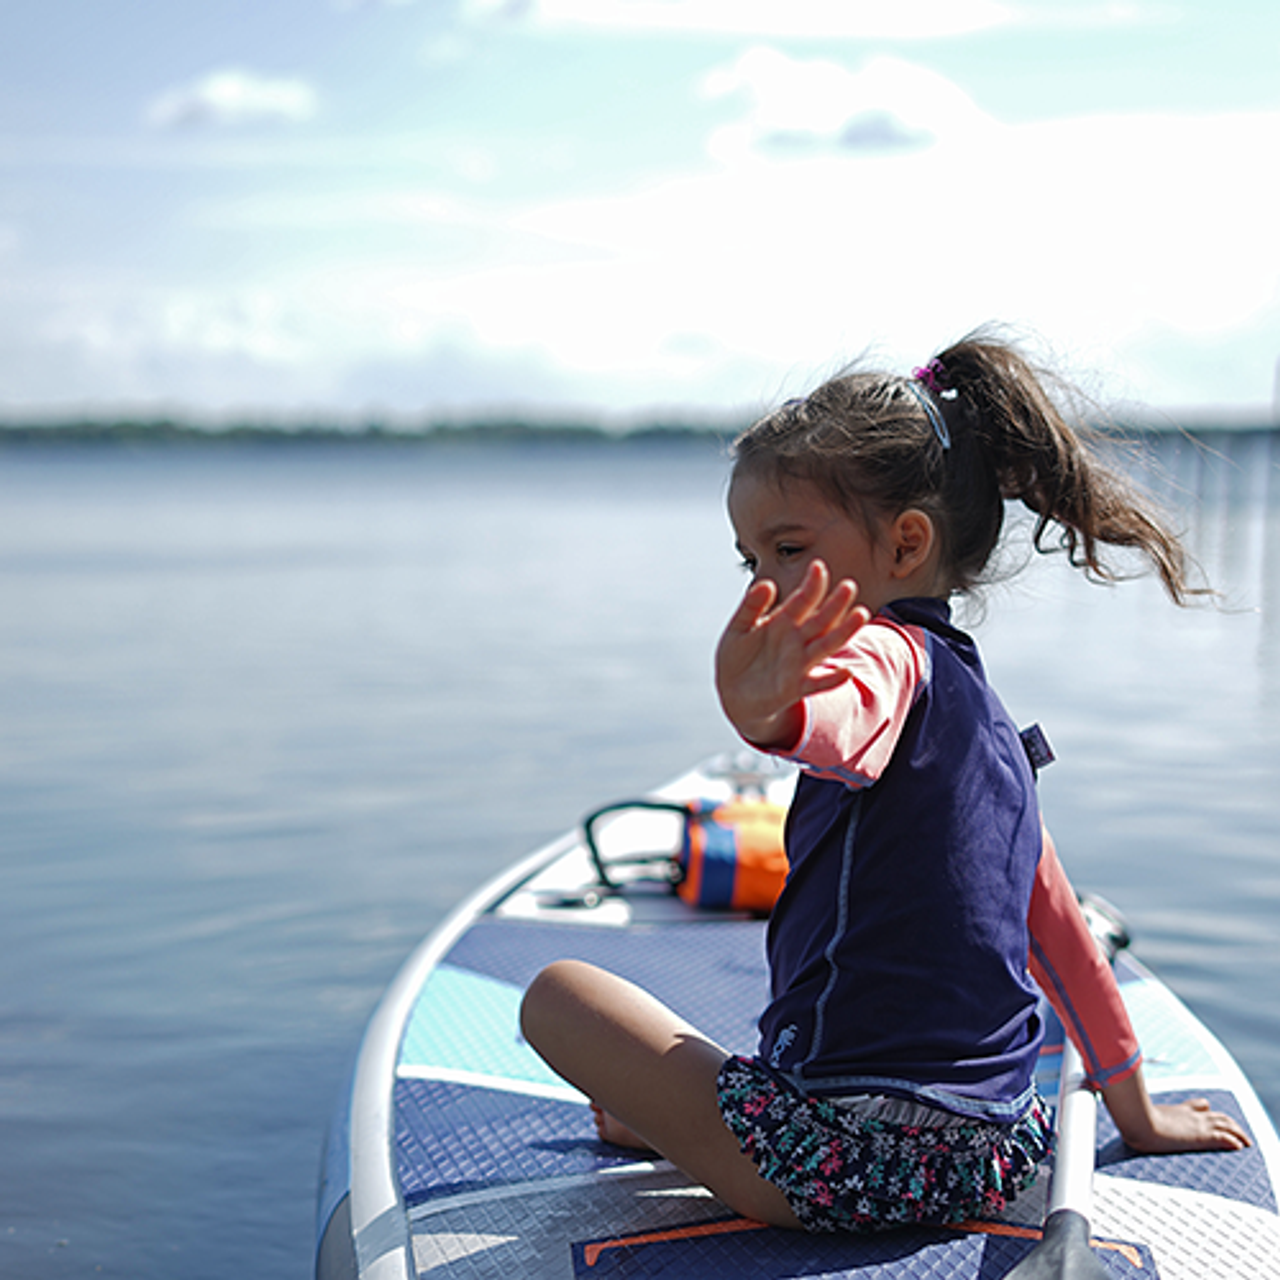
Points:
x=911, y=538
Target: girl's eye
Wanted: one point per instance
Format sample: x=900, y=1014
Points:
x=748, y=563
x=787, y=550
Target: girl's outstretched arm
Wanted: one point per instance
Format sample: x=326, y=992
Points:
x=770, y=656
x=1161, y=1128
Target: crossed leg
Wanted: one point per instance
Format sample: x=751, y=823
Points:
x=651, y=1073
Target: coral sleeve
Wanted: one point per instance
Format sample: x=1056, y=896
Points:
x=1076, y=977
x=849, y=732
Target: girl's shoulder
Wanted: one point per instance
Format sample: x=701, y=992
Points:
x=927, y=619
x=894, y=628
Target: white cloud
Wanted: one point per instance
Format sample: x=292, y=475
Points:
x=445, y=50
x=1108, y=236
x=797, y=105
x=1172, y=216
x=256, y=323
x=234, y=97
x=1132, y=242
x=128, y=332
x=1096, y=233
x=821, y=19
x=1099, y=15
x=834, y=19
x=500, y=10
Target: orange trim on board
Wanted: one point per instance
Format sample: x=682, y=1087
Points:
x=998, y=1229
x=1126, y=1251
x=591, y=1252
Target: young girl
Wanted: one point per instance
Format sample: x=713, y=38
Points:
x=893, y=1080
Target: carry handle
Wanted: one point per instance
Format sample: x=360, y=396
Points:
x=589, y=835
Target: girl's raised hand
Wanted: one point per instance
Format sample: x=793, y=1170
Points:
x=770, y=656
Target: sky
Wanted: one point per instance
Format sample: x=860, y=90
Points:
x=627, y=209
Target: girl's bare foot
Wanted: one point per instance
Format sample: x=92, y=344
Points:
x=611, y=1129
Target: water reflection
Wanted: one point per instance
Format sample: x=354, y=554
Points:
x=1222, y=489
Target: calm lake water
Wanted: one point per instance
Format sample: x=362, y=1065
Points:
x=267, y=713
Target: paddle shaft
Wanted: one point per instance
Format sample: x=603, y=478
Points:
x=1072, y=1185
x=1064, y=1253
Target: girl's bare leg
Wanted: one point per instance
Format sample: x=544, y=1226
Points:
x=651, y=1071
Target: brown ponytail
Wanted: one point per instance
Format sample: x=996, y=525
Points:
x=1053, y=468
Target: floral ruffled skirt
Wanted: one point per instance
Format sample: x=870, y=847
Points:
x=851, y=1169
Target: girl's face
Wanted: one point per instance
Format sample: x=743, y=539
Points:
x=782, y=527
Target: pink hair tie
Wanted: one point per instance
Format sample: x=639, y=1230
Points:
x=931, y=375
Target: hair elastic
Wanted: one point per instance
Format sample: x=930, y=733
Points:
x=924, y=387
x=931, y=375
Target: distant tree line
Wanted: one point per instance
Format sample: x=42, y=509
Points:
x=497, y=430
x=131, y=431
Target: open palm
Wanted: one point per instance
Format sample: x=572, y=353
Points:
x=770, y=656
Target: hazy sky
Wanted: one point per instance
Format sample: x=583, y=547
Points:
x=354, y=206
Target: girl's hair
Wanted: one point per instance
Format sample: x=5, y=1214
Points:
x=976, y=427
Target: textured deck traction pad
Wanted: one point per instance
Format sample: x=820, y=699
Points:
x=501, y=1173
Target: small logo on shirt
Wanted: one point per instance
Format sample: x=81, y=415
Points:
x=786, y=1038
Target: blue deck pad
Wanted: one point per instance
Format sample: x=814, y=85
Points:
x=896, y=1255
x=451, y=1138
x=1234, y=1175
x=467, y=1023
x=1174, y=1048
x=712, y=973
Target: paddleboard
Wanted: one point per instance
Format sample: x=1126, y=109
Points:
x=456, y=1154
